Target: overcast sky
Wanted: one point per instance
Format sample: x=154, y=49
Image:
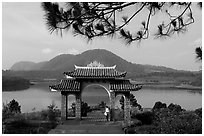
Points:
x=26, y=38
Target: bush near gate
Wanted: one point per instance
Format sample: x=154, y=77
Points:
x=168, y=120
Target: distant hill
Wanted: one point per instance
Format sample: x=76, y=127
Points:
x=66, y=62
x=54, y=68
x=27, y=66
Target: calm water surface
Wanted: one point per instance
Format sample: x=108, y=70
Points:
x=38, y=97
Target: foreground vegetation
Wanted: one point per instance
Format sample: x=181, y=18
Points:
x=161, y=119
x=166, y=120
x=13, y=83
x=15, y=122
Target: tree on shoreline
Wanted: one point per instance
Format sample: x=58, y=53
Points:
x=133, y=102
x=198, y=52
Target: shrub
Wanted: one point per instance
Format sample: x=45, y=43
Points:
x=52, y=113
x=133, y=102
x=134, y=111
x=5, y=112
x=171, y=122
x=44, y=115
x=119, y=114
x=175, y=107
x=135, y=122
x=10, y=109
x=130, y=130
x=18, y=124
x=145, y=117
x=33, y=116
x=199, y=112
x=147, y=129
x=15, y=123
x=102, y=105
x=84, y=108
x=158, y=105
x=71, y=113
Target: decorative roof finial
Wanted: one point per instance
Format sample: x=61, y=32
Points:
x=95, y=64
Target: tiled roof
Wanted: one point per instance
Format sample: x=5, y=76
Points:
x=67, y=85
x=92, y=72
x=124, y=85
x=117, y=85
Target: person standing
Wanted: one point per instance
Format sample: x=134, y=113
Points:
x=107, y=113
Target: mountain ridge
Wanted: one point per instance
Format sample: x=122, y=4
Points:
x=66, y=62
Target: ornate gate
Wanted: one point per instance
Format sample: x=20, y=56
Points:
x=111, y=79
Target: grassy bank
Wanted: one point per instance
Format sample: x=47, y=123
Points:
x=172, y=86
x=10, y=83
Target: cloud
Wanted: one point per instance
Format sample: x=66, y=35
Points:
x=198, y=42
x=46, y=51
x=73, y=51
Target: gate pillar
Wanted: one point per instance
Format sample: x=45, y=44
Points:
x=78, y=106
x=112, y=106
x=63, y=106
x=127, y=117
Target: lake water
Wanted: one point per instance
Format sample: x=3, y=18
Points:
x=38, y=97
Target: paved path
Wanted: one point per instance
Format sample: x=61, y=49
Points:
x=94, y=123
x=87, y=129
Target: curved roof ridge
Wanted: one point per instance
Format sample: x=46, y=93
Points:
x=82, y=67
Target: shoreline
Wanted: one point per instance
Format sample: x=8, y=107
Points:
x=180, y=87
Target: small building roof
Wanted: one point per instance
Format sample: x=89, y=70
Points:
x=66, y=85
x=117, y=85
x=124, y=85
x=95, y=72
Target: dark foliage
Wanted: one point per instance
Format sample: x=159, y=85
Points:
x=73, y=106
x=52, y=113
x=102, y=105
x=18, y=124
x=84, y=108
x=10, y=110
x=146, y=117
x=15, y=122
x=198, y=52
x=122, y=102
x=10, y=83
x=133, y=102
x=135, y=122
x=147, y=129
x=170, y=120
x=199, y=112
x=94, y=19
x=130, y=131
x=14, y=106
x=159, y=105
x=175, y=107
x=118, y=115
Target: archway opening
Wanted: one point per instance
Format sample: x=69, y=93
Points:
x=71, y=104
x=94, y=97
x=119, y=107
